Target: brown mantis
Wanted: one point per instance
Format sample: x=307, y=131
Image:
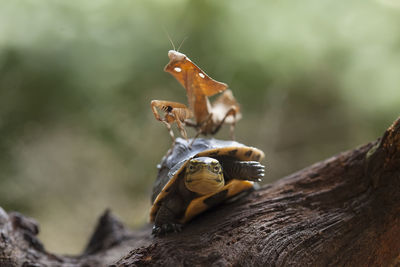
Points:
x=209, y=117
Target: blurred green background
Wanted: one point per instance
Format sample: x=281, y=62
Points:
x=76, y=79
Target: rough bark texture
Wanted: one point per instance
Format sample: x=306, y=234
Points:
x=341, y=211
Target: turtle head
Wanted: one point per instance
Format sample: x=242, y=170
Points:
x=204, y=175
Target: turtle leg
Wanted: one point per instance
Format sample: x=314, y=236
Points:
x=243, y=170
x=165, y=221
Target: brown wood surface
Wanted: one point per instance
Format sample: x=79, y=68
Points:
x=344, y=211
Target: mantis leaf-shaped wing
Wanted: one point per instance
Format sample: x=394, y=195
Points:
x=192, y=78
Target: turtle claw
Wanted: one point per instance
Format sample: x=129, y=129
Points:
x=159, y=230
x=156, y=230
x=257, y=171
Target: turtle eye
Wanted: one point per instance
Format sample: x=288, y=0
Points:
x=216, y=168
x=191, y=167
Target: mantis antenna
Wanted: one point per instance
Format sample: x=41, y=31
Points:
x=169, y=38
x=181, y=43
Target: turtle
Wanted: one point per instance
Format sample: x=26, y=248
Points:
x=198, y=174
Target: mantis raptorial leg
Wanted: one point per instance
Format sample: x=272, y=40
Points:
x=174, y=112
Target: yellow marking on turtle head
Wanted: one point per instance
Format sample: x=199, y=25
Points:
x=204, y=175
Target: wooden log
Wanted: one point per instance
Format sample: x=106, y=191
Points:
x=343, y=211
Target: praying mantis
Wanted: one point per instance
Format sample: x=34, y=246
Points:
x=208, y=117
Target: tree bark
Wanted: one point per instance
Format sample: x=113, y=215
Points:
x=344, y=211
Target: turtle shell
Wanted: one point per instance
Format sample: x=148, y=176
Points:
x=175, y=162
